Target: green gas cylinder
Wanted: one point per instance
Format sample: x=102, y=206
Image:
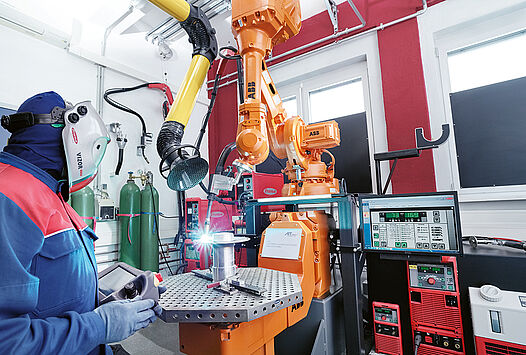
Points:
x=130, y=224
x=83, y=201
x=149, y=228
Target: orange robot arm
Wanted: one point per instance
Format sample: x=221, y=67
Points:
x=263, y=123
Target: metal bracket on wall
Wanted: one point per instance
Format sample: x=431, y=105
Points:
x=332, y=9
x=421, y=144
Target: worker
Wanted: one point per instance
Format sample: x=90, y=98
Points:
x=49, y=284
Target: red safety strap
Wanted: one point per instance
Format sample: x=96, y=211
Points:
x=129, y=222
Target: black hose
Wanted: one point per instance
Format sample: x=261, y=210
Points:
x=119, y=163
x=227, y=150
x=240, y=81
x=120, y=106
x=156, y=221
x=209, y=112
x=124, y=108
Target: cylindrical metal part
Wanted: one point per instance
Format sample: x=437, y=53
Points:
x=83, y=202
x=130, y=224
x=223, y=265
x=149, y=228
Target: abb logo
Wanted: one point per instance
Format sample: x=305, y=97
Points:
x=74, y=134
x=270, y=191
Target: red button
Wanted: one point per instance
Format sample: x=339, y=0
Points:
x=384, y=318
x=431, y=281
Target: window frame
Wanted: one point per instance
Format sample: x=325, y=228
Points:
x=309, y=91
x=468, y=35
x=302, y=88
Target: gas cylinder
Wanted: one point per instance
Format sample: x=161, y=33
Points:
x=149, y=227
x=83, y=201
x=130, y=223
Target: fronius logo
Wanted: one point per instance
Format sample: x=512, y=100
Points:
x=270, y=191
x=74, y=134
x=217, y=214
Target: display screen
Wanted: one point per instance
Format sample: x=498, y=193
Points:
x=420, y=223
x=431, y=270
x=383, y=310
x=114, y=280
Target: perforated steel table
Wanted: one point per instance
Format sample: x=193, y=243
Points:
x=187, y=299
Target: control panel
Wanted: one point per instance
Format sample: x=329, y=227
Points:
x=411, y=223
x=221, y=217
x=432, y=276
x=192, y=215
x=443, y=340
x=387, y=330
x=434, y=302
x=415, y=229
x=260, y=185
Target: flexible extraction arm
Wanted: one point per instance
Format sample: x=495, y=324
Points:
x=186, y=170
x=263, y=123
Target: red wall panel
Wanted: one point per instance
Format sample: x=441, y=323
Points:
x=222, y=127
x=405, y=104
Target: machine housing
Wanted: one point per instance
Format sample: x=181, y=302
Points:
x=499, y=324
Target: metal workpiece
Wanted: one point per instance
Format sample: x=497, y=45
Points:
x=188, y=300
x=224, y=266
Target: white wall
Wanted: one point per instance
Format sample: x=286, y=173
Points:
x=29, y=66
x=498, y=211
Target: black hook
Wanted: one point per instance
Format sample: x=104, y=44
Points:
x=423, y=143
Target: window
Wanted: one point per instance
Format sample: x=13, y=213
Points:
x=339, y=100
x=489, y=62
x=487, y=79
x=290, y=104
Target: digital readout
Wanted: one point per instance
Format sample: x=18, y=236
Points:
x=403, y=216
x=431, y=270
x=383, y=310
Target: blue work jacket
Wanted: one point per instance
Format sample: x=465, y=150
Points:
x=48, y=283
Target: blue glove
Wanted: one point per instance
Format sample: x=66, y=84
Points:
x=125, y=317
x=157, y=309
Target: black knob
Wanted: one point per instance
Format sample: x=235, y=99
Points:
x=5, y=121
x=73, y=117
x=82, y=110
x=130, y=290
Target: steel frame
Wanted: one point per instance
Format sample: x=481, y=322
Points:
x=353, y=259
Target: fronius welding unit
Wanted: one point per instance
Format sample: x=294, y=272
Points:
x=249, y=325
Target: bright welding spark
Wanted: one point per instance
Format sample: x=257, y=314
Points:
x=205, y=239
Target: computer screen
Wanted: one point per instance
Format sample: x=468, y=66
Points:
x=416, y=223
x=114, y=280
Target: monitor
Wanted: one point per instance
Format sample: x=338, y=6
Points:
x=413, y=223
x=115, y=280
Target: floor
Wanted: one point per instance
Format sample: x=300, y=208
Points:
x=159, y=338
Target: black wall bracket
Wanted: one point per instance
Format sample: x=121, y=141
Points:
x=421, y=144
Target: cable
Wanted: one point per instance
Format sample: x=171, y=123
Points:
x=119, y=162
x=168, y=217
x=275, y=158
x=418, y=340
x=145, y=135
x=157, y=229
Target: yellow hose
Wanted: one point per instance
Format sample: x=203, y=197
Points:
x=179, y=9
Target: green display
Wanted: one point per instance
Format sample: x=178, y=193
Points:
x=412, y=214
x=392, y=215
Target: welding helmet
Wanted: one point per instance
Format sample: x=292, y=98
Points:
x=85, y=140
